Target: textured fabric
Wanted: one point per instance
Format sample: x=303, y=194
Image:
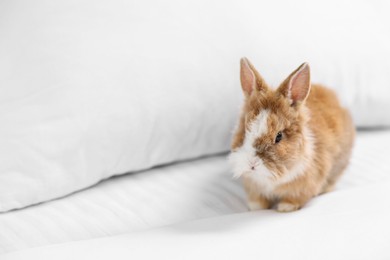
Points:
x=180, y=193
x=93, y=88
x=351, y=224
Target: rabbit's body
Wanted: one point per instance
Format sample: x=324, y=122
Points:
x=289, y=145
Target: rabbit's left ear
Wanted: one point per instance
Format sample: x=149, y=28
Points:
x=250, y=78
x=297, y=86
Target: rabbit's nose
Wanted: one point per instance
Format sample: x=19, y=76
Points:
x=252, y=164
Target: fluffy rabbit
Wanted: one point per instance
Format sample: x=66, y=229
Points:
x=291, y=143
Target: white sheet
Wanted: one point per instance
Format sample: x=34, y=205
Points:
x=348, y=224
x=183, y=192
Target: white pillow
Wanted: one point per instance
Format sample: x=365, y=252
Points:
x=93, y=88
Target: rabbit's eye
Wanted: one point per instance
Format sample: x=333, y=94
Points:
x=278, y=137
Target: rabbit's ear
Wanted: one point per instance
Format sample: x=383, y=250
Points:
x=250, y=78
x=297, y=86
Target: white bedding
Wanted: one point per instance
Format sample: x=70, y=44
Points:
x=346, y=225
x=94, y=88
x=200, y=189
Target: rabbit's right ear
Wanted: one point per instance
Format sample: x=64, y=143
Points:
x=297, y=86
x=250, y=78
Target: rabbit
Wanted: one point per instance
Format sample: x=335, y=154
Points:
x=291, y=144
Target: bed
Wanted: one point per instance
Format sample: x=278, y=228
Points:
x=198, y=203
x=116, y=120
